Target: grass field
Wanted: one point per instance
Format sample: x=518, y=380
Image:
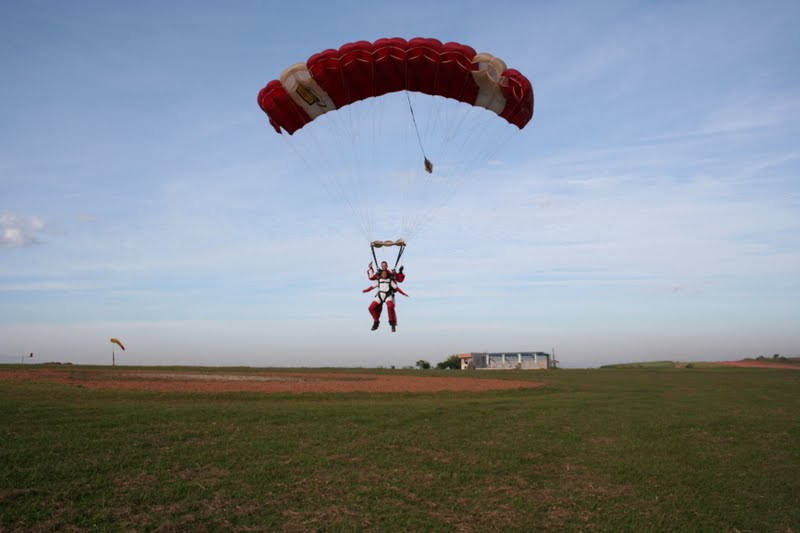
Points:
x=650, y=364
x=642, y=449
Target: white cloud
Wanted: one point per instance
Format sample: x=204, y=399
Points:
x=48, y=286
x=19, y=231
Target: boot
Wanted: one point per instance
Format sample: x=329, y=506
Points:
x=375, y=325
x=394, y=327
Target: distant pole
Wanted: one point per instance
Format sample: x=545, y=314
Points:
x=553, y=349
x=113, y=358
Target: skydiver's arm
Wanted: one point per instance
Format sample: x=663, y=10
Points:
x=371, y=272
x=398, y=289
x=371, y=287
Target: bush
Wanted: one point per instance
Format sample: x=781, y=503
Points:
x=453, y=362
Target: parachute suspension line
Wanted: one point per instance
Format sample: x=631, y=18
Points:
x=501, y=140
x=342, y=183
x=434, y=127
x=346, y=136
x=399, y=254
x=376, y=116
x=410, y=169
x=437, y=125
x=374, y=257
x=469, y=160
x=463, y=117
x=431, y=126
x=354, y=114
x=465, y=133
x=348, y=128
x=332, y=184
x=428, y=164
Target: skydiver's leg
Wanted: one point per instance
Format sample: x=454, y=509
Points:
x=375, y=309
x=392, y=314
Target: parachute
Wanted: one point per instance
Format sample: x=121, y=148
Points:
x=333, y=79
x=393, y=127
x=116, y=341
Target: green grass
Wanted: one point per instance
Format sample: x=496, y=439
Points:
x=649, y=364
x=704, y=449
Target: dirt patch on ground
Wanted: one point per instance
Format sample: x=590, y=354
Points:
x=267, y=382
x=761, y=364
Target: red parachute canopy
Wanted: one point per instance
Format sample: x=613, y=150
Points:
x=333, y=79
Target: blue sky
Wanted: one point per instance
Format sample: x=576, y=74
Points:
x=651, y=210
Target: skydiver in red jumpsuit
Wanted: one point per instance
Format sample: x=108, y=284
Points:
x=395, y=275
x=386, y=288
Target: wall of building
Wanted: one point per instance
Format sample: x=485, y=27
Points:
x=510, y=361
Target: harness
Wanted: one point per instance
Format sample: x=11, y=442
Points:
x=385, y=290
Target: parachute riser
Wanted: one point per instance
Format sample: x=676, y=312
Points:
x=400, y=244
x=399, y=254
x=374, y=257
